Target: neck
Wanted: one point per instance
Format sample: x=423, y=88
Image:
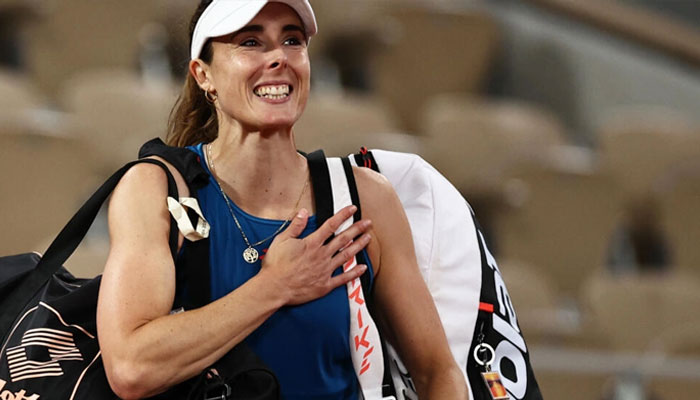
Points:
x=260, y=171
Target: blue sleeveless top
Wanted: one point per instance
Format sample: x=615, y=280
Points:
x=306, y=346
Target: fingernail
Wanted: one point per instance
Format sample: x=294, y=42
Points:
x=303, y=213
x=353, y=209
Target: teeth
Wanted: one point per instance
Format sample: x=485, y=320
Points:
x=272, y=92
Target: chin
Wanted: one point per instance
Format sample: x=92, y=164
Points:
x=278, y=122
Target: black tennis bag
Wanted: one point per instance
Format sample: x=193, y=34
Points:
x=48, y=326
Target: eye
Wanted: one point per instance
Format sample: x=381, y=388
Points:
x=293, y=41
x=249, y=43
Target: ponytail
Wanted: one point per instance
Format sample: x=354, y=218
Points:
x=193, y=119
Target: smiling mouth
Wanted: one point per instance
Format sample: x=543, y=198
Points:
x=274, y=92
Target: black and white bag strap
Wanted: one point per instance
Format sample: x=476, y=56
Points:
x=397, y=383
x=334, y=188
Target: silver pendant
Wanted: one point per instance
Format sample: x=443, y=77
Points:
x=250, y=255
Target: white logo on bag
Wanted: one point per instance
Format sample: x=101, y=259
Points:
x=513, y=348
x=60, y=346
x=19, y=395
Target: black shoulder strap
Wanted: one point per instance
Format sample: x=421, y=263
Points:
x=67, y=242
x=185, y=161
x=193, y=275
x=321, y=184
x=352, y=187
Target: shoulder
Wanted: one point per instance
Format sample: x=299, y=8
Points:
x=138, y=204
x=378, y=198
x=380, y=204
x=146, y=179
x=372, y=185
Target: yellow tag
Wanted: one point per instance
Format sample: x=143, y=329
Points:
x=496, y=388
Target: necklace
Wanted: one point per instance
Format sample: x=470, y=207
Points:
x=250, y=254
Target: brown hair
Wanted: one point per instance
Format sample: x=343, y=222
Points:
x=193, y=119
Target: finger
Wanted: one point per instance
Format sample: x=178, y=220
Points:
x=348, y=276
x=296, y=227
x=350, y=251
x=331, y=225
x=342, y=240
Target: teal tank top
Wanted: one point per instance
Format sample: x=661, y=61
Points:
x=306, y=346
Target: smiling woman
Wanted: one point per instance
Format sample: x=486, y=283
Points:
x=277, y=280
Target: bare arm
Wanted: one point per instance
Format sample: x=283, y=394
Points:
x=406, y=307
x=145, y=349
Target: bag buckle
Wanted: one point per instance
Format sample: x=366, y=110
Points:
x=225, y=395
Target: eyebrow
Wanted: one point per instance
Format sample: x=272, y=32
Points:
x=249, y=28
x=293, y=28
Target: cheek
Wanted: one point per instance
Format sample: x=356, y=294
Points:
x=304, y=66
x=298, y=60
x=304, y=84
x=234, y=73
x=242, y=71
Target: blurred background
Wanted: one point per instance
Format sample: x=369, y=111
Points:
x=572, y=127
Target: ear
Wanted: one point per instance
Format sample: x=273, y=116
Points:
x=200, y=72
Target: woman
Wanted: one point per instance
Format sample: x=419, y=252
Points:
x=275, y=284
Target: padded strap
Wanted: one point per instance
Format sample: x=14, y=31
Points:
x=184, y=160
x=323, y=196
x=365, y=342
x=67, y=242
x=365, y=159
x=361, y=257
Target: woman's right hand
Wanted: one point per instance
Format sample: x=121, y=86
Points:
x=301, y=270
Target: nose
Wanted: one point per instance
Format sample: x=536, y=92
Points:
x=278, y=58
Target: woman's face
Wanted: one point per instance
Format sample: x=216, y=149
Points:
x=261, y=73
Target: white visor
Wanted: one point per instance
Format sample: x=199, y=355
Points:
x=222, y=17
